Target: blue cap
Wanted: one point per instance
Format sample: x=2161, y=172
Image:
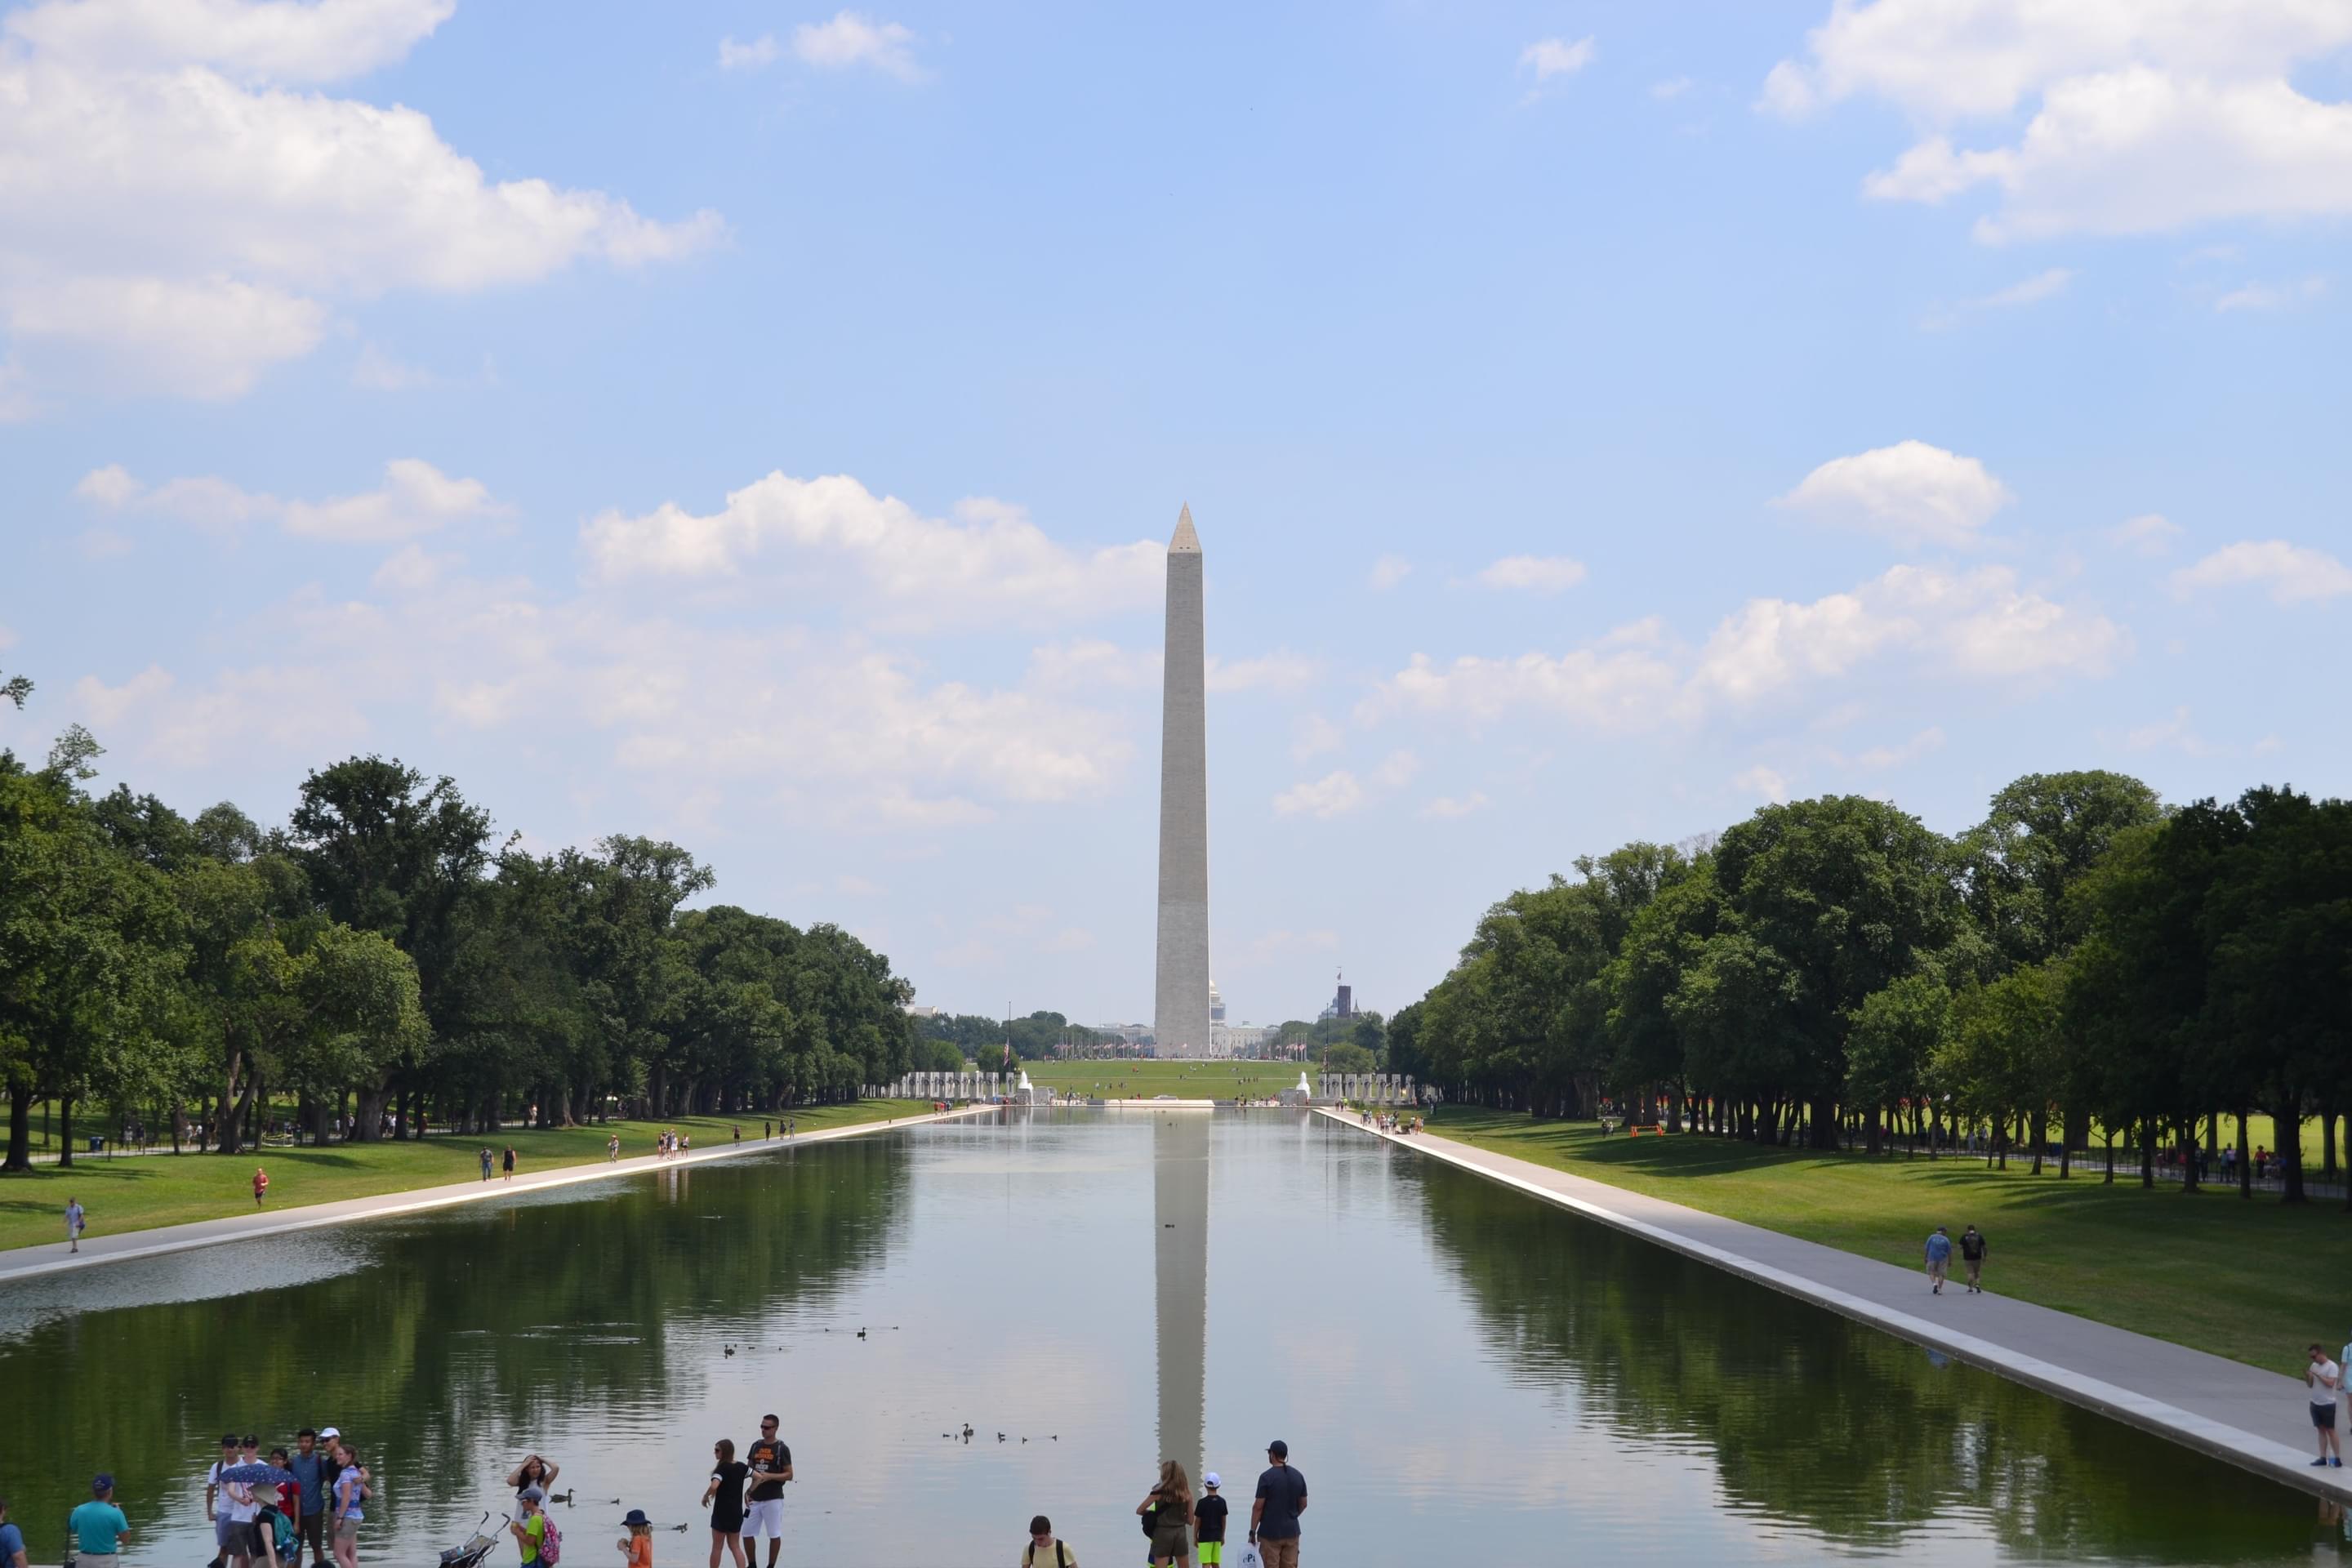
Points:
x=101, y=1482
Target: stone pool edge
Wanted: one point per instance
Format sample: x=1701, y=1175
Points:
x=2216, y=1439
x=195, y=1234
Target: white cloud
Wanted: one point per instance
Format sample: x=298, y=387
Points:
x=992, y=563
x=1762, y=780
x=1672, y=87
x=673, y=706
x=1091, y=662
x=2148, y=114
x=1334, y=794
x=851, y=40
x=1909, y=493
x=1911, y=622
x=1919, y=745
x=2271, y=296
x=1396, y=770
x=757, y=55
x=1389, y=571
x=182, y=216
x=1534, y=573
x=1312, y=735
x=416, y=497
x=2043, y=285
x=2173, y=734
x=1549, y=57
x=1281, y=670
x=1446, y=807
x=377, y=371
x=1626, y=690
x=2150, y=533
x=2293, y=573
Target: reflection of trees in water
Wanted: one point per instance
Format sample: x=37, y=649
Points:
x=1818, y=1421
x=463, y=1327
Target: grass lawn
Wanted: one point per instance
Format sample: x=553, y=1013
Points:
x=141, y=1192
x=2252, y=1280
x=1186, y=1081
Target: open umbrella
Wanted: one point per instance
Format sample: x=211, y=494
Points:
x=248, y=1475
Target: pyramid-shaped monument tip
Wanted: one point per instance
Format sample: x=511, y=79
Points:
x=1185, y=540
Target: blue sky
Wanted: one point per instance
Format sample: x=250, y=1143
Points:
x=758, y=426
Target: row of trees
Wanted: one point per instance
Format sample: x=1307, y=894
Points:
x=2084, y=962
x=382, y=959
x=978, y=1039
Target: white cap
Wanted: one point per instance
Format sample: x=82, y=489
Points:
x=326, y=1432
x=1209, y=1479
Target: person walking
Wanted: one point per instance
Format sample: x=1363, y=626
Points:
x=351, y=1490
x=724, y=1497
x=486, y=1161
x=1939, y=1259
x=510, y=1163
x=612, y=1148
x=261, y=1185
x=1972, y=1256
x=1273, y=1516
x=1169, y=1505
x=309, y=1467
x=76, y=1220
x=98, y=1526
x=2324, y=1379
x=1045, y=1549
x=1208, y=1523
x=771, y=1466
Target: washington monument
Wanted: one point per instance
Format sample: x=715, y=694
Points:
x=1179, y=1014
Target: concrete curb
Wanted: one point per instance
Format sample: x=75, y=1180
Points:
x=416, y=1200
x=2217, y=1439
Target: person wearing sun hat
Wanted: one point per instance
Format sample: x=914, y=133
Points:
x=637, y=1545
x=1208, y=1523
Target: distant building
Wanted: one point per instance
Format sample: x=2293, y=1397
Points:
x=1342, y=1005
x=915, y=1011
x=1216, y=1004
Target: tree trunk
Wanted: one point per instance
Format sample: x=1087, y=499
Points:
x=2290, y=1152
x=65, y=1132
x=1824, y=1123
x=2147, y=1152
x=2038, y=1130
x=2245, y=1162
x=225, y=1137
x=20, y=1127
x=2187, y=1128
x=2110, y=1133
x=367, y=1117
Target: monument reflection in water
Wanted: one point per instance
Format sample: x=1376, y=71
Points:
x=1179, y=1205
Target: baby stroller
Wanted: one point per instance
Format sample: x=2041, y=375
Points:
x=475, y=1549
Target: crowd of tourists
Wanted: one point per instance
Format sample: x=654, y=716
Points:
x=1188, y=1530
x=1390, y=1121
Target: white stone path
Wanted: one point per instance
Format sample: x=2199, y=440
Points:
x=51, y=1258
x=2248, y=1416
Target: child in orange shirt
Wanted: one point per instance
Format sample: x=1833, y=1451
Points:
x=637, y=1547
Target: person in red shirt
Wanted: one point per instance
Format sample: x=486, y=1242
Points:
x=260, y=1184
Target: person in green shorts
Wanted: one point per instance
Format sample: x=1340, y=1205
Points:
x=1208, y=1523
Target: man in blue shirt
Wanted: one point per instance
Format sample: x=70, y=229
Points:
x=12, y=1541
x=98, y=1526
x=310, y=1469
x=1939, y=1259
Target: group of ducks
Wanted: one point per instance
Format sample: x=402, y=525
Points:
x=729, y=1349
x=966, y=1436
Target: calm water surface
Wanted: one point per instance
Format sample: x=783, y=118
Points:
x=1463, y=1374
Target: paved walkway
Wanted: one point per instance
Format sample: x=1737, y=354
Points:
x=51, y=1258
x=2249, y=1417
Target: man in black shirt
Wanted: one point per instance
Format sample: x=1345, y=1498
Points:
x=1274, y=1517
x=772, y=1467
x=1208, y=1522
x=1972, y=1253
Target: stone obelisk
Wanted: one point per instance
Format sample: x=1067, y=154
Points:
x=1179, y=1013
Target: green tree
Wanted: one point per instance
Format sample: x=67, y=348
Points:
x=1892, y=1046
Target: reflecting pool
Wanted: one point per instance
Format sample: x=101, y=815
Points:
x=1462, y=1373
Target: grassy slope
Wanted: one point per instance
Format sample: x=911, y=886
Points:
x=2255, y=1281
x=146, y=1191
x=1186, y=1081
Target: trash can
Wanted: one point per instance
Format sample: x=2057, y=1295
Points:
x=96, y=1145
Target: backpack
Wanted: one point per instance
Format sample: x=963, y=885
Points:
x=550, y=1544
x=1061, y=1555
x=1150, y=1518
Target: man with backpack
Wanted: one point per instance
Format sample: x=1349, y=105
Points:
x=1045, y=1549
x=537, y=1540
